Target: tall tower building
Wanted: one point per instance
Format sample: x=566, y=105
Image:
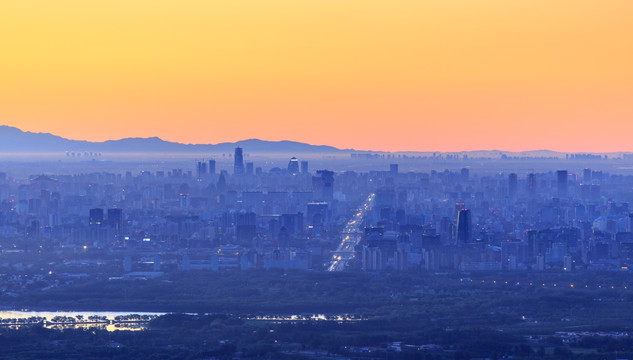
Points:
x=464, y=227
x=96, y=217
x=202, y=169
x=115, y=219
x=596, y=176
x=532, y=185
x=323, y=185
x=238, y=162
x=561, y=182
x=212, y=167
x=293, y=166
x=465, y=174
x=304, y=167
x=586, y=176
x=512, y=186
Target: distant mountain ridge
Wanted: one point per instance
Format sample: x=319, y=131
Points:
x=14, y=140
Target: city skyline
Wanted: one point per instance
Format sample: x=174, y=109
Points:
x=402, y=76
x=340, y=179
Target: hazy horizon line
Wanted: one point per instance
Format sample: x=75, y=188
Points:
x=315, y=145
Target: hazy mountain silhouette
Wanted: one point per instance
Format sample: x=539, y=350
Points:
x=14, y=140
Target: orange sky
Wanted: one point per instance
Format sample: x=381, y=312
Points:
x=444, y=75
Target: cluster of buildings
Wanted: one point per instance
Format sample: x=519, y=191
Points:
x=538, y=221
x=205, y=217
x=245, y=217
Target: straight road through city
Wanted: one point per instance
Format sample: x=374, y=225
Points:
x=351, y=236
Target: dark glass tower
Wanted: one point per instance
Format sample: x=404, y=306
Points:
x=115, y=219
x=96, y=217
x=238, y=165
x=464, y=227
x=323, y=185
x=512, y=186
x=561, y=181
x=532, y=185
x=293, y=166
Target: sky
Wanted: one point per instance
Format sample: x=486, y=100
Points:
x=393, y=75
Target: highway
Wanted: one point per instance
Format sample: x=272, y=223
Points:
x=351, y=236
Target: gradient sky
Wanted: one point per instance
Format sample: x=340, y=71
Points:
x=445, y=75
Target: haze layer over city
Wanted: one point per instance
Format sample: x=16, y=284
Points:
x=300, y=251
x=332, y=179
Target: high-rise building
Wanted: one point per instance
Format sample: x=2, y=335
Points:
x=221, y=184
x=465, y=174
x=393, y=168
x=532, y=185
x=323, y=185
x=293, y=166
x=586, y=176
x=596, y=176
x=115, y=219
x=202, y=169
x=561, y=182
x=96, y=217
x=238, y=162
x=512, y=186
x=464, y=227
x=245, y=229
x=317, y=213
x=250, y=168
x=292, y=222
x=212, y=167
x=304, y=167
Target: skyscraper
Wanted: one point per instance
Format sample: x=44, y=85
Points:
x=212, y=167
x=238, y=162
x=323, y=185
x=304, y=167
x=532, y=185
x=561, y=181
x=465, y=174
x=464, y=227
x=246, y=228
x=202, y=169
x=96, y=217
x=512, y=186
x=586, y=176
x=115, y=219
x=293, y=166
x=596, y=176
